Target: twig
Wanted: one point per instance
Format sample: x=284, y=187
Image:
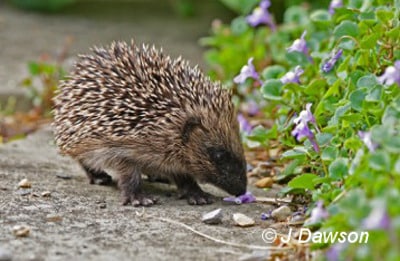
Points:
x=273, y=200
x=223, y=241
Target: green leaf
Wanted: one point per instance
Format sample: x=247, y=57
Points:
x=294, y=191
x=392, y=144
x=394, y=33
x=346, y=28
x=315, y=87
x=321, y=18
x=369, y=16
x=34, y=68
x=291, y=167
x=304, y=181
x=338, y=168
x=320, y=15
x=297, y=58
x=296, y=15
x=347, y=44
x=391, y=115
x=384, y=15
x=273, y=72
x=323, y=138
x=369, y=42
x=344, y=65
x=353, y=143
x=329, y=153
x=355, y=4
x=367, y=81
x=271, y=89
x=261, y=134
x=340, y=111
x=375, y=94
x=239, y=25
x=379, y=161
x=397, y=166
x=356, y=99
x=352, y=117
x=295, y=153
x=241, y=7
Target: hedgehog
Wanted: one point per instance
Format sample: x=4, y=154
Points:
x=133, y=110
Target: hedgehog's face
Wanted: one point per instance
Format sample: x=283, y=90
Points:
x=230, y=170
x=216, y=155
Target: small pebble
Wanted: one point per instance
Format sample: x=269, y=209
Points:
x=21, y=230
x=212, y=218
x=262, y=169
x=53, y=218
x=243, y=220
x=46, y=194
x=23, y=192
x=25, y=183
x=297, y=218
x=281, y=213
x=5, y=254
x=101, y=203
x=266, y=182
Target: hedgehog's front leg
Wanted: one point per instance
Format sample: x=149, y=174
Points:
x=189, y=189
x=130, y=184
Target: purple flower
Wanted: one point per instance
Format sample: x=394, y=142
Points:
x=302, y=130
x=242, y=199
x=244, y=124
x=247, y=71
x=378, y=217
x=335, y=4
x=333, y=253
x=292, y=76
x=260, y=15
x=299, y=45
x=391, y=75
x=265, y=216
x=328, y=65
x=251, y=107
x=305, y=115
x=365, y=136
x=318, y=213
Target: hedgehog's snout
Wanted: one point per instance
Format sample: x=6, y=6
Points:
x=238, y=184
x=231, y=172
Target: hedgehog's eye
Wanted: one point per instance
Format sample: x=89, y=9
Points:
x=218, y=155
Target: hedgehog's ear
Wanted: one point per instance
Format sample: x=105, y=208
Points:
x=190, y=124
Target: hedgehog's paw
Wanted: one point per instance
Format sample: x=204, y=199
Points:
x=138, y=199
x=198, y=198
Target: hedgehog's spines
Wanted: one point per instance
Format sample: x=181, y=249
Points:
x=124, y=90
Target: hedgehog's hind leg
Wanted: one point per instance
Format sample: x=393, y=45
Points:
x=98, y=177
x=189, y=189
x=130, y=180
